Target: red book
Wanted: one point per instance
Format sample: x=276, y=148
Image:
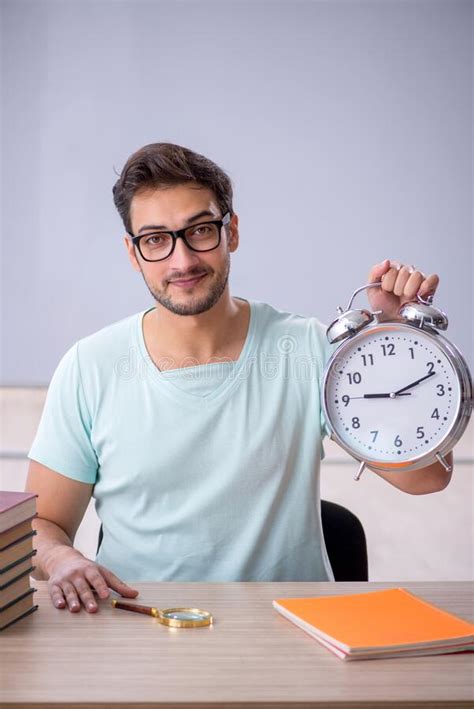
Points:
x=16, y=507
x=14, y=534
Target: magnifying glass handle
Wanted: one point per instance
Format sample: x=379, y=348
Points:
x=146, y=610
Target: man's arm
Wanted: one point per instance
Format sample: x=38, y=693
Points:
x=433, y=478
x=71, y=577
x=401, y=284
x=61, y=505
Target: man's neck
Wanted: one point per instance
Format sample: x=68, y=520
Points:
x=176, y=341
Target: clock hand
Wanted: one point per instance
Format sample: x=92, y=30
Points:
x=409, y=386
x=392, y=395
x=380, y=396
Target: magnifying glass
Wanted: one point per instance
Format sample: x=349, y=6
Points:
x=172, y=617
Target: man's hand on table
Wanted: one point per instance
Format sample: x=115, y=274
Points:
x=73, y=579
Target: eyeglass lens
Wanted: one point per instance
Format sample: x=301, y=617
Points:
x=200, y=237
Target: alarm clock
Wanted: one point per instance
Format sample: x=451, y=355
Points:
x=396, y=394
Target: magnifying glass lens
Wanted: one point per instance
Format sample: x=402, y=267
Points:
x=183, y=615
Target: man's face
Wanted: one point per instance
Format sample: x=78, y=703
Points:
x=187, y=282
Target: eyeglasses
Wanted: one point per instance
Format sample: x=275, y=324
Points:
x=158, y=245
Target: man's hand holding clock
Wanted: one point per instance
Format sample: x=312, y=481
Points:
x=390, y=392
x=400, y=284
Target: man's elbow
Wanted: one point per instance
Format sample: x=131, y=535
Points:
x=435, y=482
x=424, y=481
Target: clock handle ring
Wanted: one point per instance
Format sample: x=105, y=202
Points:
x=426, y=301
x=358, y=290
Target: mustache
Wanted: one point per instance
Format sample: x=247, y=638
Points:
x=186, y=275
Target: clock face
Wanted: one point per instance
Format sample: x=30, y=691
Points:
x=392, y=394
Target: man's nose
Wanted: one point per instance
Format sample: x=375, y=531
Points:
x=183, y=257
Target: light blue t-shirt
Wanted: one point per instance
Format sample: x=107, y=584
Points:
x=204, y=473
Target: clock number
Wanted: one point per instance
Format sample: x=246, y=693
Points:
x=440, y=388
x=346, y=399
x=370, y=357
x=435, y=414
x=431, y=366
x=398, y=442
x=412, y=352
x=354, y=378
x=375, y=434
x=388, y=349
x=419, y=432
x=355, y=422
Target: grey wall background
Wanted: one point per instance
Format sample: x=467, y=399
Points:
x=345, y=126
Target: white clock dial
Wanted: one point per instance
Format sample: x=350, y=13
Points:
x=392, y=394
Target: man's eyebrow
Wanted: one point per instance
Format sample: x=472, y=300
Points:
x=163, y=227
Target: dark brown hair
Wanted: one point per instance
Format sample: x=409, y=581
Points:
x=163, y=165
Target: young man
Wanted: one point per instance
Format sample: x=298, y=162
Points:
x=188, y=422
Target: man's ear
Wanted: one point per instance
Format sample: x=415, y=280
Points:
x=233, y=239
x=131, y=254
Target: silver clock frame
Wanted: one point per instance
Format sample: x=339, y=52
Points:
x=464, y=409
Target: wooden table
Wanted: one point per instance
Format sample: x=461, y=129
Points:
x=251, y=657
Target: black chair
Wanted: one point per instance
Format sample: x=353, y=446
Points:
x=345, y=542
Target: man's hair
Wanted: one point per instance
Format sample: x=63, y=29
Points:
x=165, y=165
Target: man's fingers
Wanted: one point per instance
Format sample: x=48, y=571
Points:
x=429, y=285
x=57, y=596
x=114, y=582
x=75, y=585
x=85, y=594
x=71, y=597
x=406, y=282
x=402, y=278
x=389, y=278
x=377, y=271
x=413, y=284
x=98, y=582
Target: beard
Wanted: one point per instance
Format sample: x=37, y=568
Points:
x=194, y=305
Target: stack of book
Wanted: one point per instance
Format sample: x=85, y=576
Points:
x=379, y=624
x=17, y=509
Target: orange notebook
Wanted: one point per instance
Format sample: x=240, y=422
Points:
x=388, y=623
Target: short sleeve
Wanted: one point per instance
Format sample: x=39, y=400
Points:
x=328, y=351
x=63, y=439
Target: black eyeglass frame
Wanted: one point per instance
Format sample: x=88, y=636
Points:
x=180, y=234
